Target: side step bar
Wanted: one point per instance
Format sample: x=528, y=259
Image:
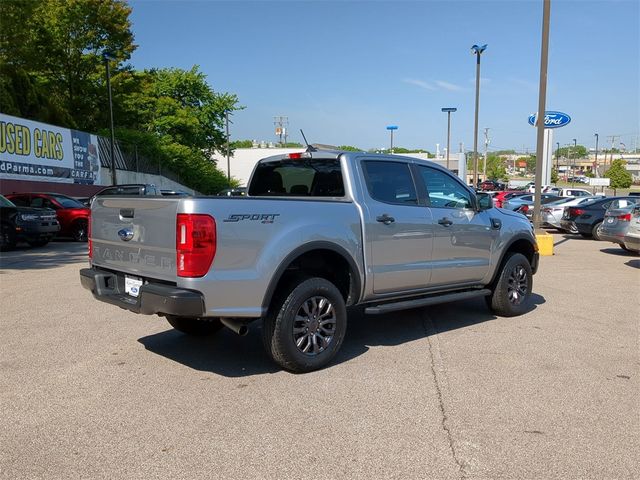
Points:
x=426, y=301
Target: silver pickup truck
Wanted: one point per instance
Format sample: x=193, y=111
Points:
x=318, y=231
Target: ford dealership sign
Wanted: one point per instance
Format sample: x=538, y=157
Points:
x=551, y=119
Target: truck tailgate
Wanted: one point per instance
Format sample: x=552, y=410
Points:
x=135, y=235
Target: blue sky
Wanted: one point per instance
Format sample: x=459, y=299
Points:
x=343, y=70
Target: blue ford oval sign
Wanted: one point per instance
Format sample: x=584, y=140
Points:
x=551, y=119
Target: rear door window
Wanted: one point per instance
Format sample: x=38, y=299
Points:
x=390, y=182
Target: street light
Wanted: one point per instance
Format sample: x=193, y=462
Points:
x=391, y=128
x=558, y=158
x=477, y=50
x=107, y=57
x=448, y=110
x=595, y=163
x=573, y=170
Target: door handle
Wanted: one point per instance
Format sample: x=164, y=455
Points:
x=386, y=219
x=445, y=222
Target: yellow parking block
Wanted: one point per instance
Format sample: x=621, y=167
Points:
x=545, y=244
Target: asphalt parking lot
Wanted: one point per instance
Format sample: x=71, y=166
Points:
x=91, y=391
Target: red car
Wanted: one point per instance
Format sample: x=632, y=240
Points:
x=73, y=216
x=501, y=197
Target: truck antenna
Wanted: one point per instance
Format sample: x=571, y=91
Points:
x=309, y=147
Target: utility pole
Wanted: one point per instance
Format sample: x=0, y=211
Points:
x=595, y=163
x=281, y=123
x=486, y=146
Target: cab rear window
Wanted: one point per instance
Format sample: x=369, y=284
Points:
x=298, y=178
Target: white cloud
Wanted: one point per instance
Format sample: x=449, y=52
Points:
x=419, y=83
x=452, y=87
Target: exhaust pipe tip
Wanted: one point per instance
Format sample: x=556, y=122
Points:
x=238, y=326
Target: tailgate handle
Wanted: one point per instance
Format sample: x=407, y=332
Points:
x=126, y=212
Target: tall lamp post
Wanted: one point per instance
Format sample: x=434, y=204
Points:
x=448, y=110
x=595, y=163
x=477, y=50
x=573, y=170
x=107, y=57
x=391, y=128
x=558, y=158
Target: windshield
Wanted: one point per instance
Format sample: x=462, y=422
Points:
x=5, y=202
x=67, y=202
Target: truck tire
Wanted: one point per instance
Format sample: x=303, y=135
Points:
x=194, y=326
x=512, y=291
x=79, y=231
x=305, y=326
x=7, y=238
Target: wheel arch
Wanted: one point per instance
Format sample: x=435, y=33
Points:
x=323, y=259
x=520, y=244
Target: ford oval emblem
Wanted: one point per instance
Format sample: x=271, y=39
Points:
x=125, y=234
x=551, y=119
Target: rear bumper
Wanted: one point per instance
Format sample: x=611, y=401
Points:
x=611, y=237
x=154, y=298
x=632, y=243
x=35, y=231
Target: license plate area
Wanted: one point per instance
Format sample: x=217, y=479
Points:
x=132, y=285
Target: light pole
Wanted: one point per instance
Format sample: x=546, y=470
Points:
x=558, y=158
x=448, y=110
x=573, y=170
x=477, y=50
x=391, y=128
x=107, y=57
x=595, y=163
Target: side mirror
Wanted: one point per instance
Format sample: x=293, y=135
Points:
x=485, y=201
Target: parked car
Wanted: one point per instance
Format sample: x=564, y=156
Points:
x=174, y=193
x=135, y=189
x=320, y=230
x=586, y=218
x=36, y=226
x=632, y=237
x=500, y=197
x=617, y=220
x=516, y=202
x=552, y=212
x=72, y=215
x=233, y=192
x=491, y=186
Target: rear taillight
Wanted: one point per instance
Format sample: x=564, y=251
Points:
x=89, y=241
x=574, y=212
x=624, y=218
x=524, y=208
x=195, y=244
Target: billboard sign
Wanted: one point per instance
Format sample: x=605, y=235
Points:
x=599, y=182
x=37, y=151
x=551, y=119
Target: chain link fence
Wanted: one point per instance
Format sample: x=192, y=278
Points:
x=128, y=158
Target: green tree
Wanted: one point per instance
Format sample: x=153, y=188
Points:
x=554, y=175
x=578, y=151
x=620, y=177
x=58, y=44
x=349, y=148
x=241, y=144
x=495, y=167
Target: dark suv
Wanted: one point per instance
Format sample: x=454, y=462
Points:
x=36, y=226
x=72, y=215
